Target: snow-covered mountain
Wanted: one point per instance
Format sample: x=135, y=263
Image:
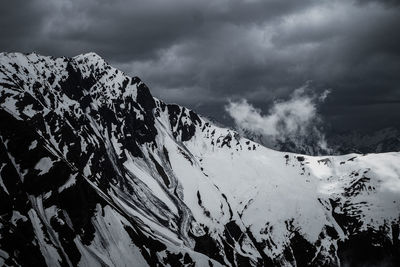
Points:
x=95, y=171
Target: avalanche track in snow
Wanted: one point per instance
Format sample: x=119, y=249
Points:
x=95, y=171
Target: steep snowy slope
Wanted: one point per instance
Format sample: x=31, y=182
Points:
x=94, y=170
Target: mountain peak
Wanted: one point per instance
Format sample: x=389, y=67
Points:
x=91, y=59
x=90, y=56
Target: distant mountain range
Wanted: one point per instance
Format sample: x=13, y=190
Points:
x=95, y=171
x=384, y=140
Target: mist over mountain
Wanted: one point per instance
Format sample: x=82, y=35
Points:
x=296, y=125
x=95, y=171
x=292, y=125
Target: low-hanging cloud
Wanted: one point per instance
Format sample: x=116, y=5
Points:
x=295, y=119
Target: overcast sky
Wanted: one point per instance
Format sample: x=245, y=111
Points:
x=204, y=53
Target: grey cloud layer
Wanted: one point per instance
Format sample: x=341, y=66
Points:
x=200, y=53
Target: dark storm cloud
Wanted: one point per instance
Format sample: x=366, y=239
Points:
x=389, y=3
x=200, y=53
x=20, y=23
x=126, y=30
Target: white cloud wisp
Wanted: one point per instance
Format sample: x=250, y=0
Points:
x=295, y=120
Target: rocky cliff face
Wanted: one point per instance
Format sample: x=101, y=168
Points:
x=96, y=171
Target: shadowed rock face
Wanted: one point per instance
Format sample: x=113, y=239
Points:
x=95, y=171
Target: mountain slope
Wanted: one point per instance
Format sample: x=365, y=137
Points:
x=94, y=170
